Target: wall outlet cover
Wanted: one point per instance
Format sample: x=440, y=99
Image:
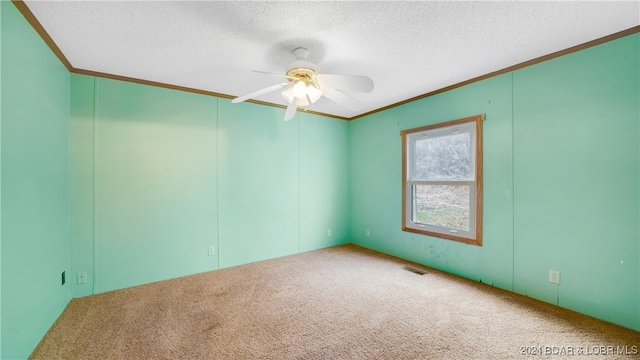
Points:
x=82, y=278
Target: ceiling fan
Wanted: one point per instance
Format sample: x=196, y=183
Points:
x=305, y=86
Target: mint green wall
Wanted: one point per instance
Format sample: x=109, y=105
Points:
x=282, y=185
x=0, y=180
x=576, y=123
x=492, y=263
x=159, y=175
x=154, y=184
x=324, y=185
x=259, y=183
x=35, y=185
x=376, y=182
x=561, y=182
x=81, y=153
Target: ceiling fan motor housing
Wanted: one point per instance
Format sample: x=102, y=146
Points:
x=304, y=74
x=302, y=70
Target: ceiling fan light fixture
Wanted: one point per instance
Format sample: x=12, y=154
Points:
x=305, y=86
x=299, y=89
x=287, y=94
x=289, y=97
x=303, y=102
x=314, y=93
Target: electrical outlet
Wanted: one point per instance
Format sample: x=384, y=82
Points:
x=554, y=276
x=367, y=232
x=82, y=278
x=212, y=250
x=328, y=232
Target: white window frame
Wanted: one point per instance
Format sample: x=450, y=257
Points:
x=472, y=125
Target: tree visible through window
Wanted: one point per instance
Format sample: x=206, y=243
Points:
x=442, y=180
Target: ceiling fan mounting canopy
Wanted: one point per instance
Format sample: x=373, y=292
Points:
x=301, y=53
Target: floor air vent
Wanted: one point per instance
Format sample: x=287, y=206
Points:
x=414, y=270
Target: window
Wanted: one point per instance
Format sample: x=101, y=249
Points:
x=442, y=180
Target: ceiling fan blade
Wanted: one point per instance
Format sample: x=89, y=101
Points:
x=346, y=82
x=267, y=72
x=342, y=99
x=272, y=73
x=291, y=110
x=259, y=92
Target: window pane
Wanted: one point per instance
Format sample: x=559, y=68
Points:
x=442, y=205
x=444, y=158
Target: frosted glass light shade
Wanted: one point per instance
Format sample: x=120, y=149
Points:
x=287, y=94
x=314, y=93
x=299, y=90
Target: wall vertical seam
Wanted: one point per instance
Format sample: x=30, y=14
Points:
x=401, y=125
x=0, y=179
x=298, y=116
x=69, y=267
x=513, y=187
x=217, y=102
x=349, y=231
x=93, y=183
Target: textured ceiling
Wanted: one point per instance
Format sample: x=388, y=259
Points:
x=407, y=48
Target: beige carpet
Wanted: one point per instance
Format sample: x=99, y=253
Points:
x=344, y=302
